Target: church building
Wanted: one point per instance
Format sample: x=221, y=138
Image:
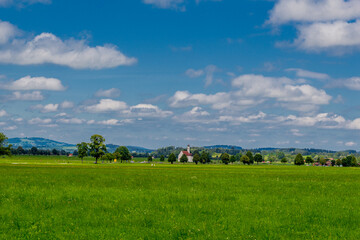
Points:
x=187, y=153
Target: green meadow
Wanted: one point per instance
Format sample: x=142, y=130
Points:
x=58, y=198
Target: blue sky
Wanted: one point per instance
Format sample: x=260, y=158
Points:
x=155, y=73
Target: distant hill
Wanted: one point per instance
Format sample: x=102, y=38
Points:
x=40, y=143
x=113, y=147
x=43, y=143
x=223, y=147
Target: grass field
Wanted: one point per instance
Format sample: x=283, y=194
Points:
x=47, y=199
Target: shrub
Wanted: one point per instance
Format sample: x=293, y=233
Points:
x=284, y=160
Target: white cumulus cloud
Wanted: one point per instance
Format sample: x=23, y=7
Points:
x=325, y=120
x=35, y=83
x=34, y=121
x=21, y=3
x=243, y=119
x=7, y=32
x=70, y=121
x=66, y=104
x=3, y=113
x=328, y=35
x=147, y=110
x=47, y=108
x=350, y=144
x=323, y=25
x=192, y=73
x=184, y=99
x=283, y=90
x=175, y=4
x=314, y=10
x=196, y=114
x=48, y=48
x=109, y=93
x=308, y=74
x=107, y=105
x=27, y=96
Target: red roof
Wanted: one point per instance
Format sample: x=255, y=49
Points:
x=187, y=153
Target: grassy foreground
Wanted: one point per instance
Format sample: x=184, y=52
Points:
x=140, y=201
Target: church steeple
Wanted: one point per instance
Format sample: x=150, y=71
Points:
x=188, y=149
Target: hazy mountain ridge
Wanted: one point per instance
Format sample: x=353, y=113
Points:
x=43, y=143
x=223, y=147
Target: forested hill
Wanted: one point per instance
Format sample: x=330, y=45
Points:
x=40, y=143
x=223, y=147
x=43, y=143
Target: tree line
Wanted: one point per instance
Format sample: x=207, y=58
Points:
x=35, y=151
x=96, y=148
x=348, y=161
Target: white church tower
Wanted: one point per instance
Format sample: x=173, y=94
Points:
x=187, y=153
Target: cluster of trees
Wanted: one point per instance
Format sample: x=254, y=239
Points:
x=348, y=161
x=248, y=158
x=35, y=151
x=273, y=154
x=97, y=149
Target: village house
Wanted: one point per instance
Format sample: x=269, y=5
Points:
x=187, y=153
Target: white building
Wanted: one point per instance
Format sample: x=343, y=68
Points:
x=187, y=153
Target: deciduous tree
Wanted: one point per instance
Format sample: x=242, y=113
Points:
x=258, y=158
x=4, y=150
x=205, y=157
x=338, y=162
x=83, y=150
x=196, y=158
x=299, y=160
x=250, y=156
x=349, y=161
x=172, y=158
x=309, y=160
x=225, y=158
x=184, y=158
x=232, y=159
x=124, y=153
x=245, y=160
x=97, y=146
x=108, y=157
x=117, y=156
